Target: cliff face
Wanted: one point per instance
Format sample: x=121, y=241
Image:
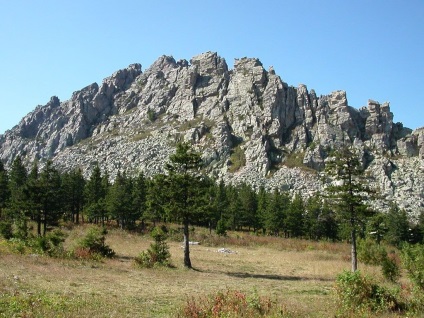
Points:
x=249, y=125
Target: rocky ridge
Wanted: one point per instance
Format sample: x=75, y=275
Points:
x=249, y=125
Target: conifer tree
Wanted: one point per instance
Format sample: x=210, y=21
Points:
x=185, y=190
x=139, y=196
x=119, y=201
x=248, y=207
x=51, y=195
x=94, y=194
x=4, y=188
x=397, y=225
x=276, y=212
x=17, y=184
x=155, y=198
x=34, y=197
x=73, y=184
x=348, y=192
x=294, y=222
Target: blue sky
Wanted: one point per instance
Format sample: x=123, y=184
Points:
x=372, y=49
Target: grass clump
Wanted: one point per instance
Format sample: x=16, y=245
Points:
x=237, y=159
x=232, y=303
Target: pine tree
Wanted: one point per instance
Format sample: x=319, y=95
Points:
x=319, y=219
x=4, y=188
x=294, y=222
x=18, y=203
x=276, y=213
x=155, y=198
x=33, y=196
x=51, y=195
x=139, y=196
x=73, y=184
x=119, y=202
x=248, y=207
x=396, y=225
x=220, y=207
x=348, y=192
x=185, y=190
x=94, y=195
x=263, y=201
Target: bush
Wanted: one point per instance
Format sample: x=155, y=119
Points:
x=158, y=253
x=232, y=303
x=51, y=244
x=390, y=267
x=413, y=261
x=6, y=229
x=93, y=245
x=221, y=228
x=370, y=252
x=357, y=293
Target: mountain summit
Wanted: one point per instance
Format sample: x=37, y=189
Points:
x=249, y=125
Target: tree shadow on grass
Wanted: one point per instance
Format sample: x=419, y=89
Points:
x=264, y=276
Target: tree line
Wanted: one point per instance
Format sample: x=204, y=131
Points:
x=47, y=196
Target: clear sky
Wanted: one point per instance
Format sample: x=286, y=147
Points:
x=372, y=49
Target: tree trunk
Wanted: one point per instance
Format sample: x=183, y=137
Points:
x=45, y=224
x=354, y=255
x=187, y=262
x=39, y=223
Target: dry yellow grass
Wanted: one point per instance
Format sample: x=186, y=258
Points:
x=302, y=280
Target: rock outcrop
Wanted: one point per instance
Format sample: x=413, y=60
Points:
x=249, y=125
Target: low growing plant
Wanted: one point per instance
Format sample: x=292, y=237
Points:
x=357, y=293
x=93, y=245
x=158, y=253
x=51, y=244
x=231, y=303
x=6, y=229
x=413, y=261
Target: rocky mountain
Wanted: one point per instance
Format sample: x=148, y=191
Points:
x=249, y=125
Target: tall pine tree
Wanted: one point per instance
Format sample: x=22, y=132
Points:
x=348, y=192
x=185, y=190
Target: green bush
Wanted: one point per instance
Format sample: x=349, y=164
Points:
x=237, y=159
x=6, y=229
x=51, y=244
x=221, y=228
x=357, y=293
x=390, y=267
x=93, y=245
x=371, y=253
x=413, y=261
x=158, y=253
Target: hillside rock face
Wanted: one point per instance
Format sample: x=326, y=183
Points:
x=249, y=125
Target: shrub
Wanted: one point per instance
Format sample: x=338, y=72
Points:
x=158, y=253
x=230, y=303
x=370, y=252
x=93, y=245
x=413, y=261
x=221, y=228
x=237, y=159
x=51, y=244
x=6, y=229
x=357, y=293
x=390, y=267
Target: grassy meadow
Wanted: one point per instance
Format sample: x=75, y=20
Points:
x=296, y=275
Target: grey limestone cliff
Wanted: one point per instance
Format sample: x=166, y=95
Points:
x=249, y=125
